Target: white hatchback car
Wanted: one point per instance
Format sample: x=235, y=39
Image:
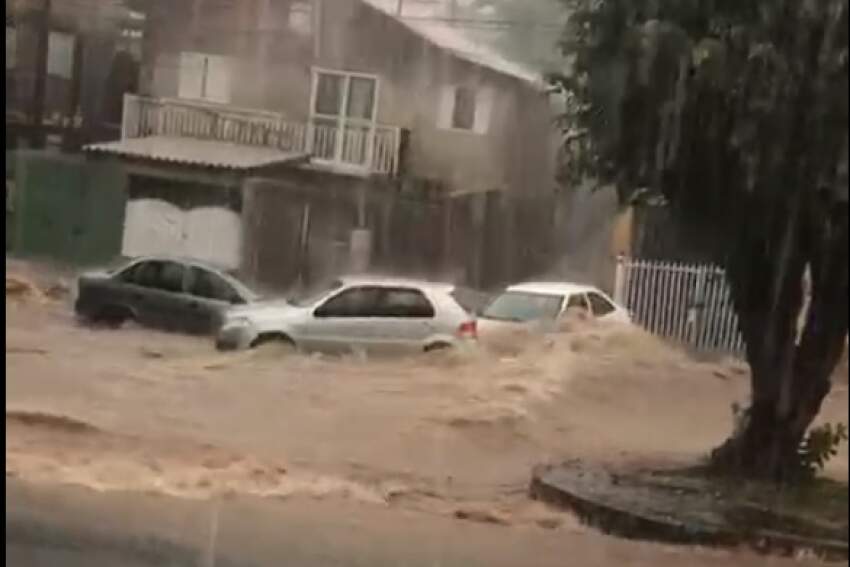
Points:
x=374, y=314
x=545, y=303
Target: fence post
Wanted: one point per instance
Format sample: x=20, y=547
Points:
x=620, y=280
x=131, y=117
x=695, y=309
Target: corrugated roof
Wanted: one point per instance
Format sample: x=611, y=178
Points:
x=191, y=151
x=425, y=22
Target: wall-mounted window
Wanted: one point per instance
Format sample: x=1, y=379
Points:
x=205, y=77
x=11, y=48
x=465, y=107
x=285, y=16
x=60, y=55
x=463, y=111
x=344, y=109
x=301, y=18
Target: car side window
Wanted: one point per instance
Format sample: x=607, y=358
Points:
x=145, y=274
x=353, y=302
x=578, y=301
x=203, y=283
x=404, y=303
x=156, y=274
x=171, y=277
x=600, y=305
x=128, y=275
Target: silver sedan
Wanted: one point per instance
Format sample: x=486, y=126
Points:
x=369, y=314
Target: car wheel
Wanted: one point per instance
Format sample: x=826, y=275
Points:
x=434, y=347
x=276, y=343
x=113, y=316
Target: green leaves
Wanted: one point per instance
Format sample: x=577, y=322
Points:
x=819, y=446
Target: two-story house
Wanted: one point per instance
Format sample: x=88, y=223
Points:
x=339, y=105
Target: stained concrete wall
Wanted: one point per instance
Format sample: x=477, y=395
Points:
x=298, y=230
x=274, y=72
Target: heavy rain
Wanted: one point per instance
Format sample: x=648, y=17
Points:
x=426, y=282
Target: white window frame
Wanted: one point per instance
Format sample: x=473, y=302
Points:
x=204, y=94
x=473, y=91
x=483, y=111
x=342, y=118
x=60, y=54
x=304, y=9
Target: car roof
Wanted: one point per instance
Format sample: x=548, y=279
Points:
x=389, y=281
x=181, y=259
x=559, y=288
x=226, y=273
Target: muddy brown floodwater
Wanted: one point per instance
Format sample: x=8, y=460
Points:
x=451, y=433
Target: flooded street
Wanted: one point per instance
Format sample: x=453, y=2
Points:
x=452, y=435
x=609, y=239
x=305, y=531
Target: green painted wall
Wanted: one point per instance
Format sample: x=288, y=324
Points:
x=10, y=214
x=67, y=208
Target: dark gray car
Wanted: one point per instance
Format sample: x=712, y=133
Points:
x=166, y=293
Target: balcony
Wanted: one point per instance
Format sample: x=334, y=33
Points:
x=351, y=149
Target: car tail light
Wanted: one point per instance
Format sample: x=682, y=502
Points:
x=468, y=330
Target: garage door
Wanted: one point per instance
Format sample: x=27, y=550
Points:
x=154, y=227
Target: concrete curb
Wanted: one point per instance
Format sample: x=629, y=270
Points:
x=615, y=518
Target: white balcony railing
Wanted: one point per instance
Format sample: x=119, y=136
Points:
x=355, y=148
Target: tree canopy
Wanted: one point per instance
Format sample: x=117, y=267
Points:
x=736, y=112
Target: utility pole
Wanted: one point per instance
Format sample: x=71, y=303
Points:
x=42, y=25
x=399, y=7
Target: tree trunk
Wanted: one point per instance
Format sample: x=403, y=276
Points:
x=790, y=381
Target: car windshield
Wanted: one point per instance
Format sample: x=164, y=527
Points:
x=470, y=300
x=312, y=295
x=523, y=306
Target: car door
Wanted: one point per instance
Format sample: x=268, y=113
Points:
x=120, y=288
x=209, y=297
x=154, y=291
x=343, y=322
x=404, y=320
x=577, y=302
x=601, y=307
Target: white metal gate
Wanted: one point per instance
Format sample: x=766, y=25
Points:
x=154, y=227
x=690, y=304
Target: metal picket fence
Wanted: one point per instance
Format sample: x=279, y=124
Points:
x=690, y=304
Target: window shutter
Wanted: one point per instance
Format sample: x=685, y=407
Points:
x=483, y=109
x=446, y=107
x=219, y=71
x=60, y=54
x=191, y=75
